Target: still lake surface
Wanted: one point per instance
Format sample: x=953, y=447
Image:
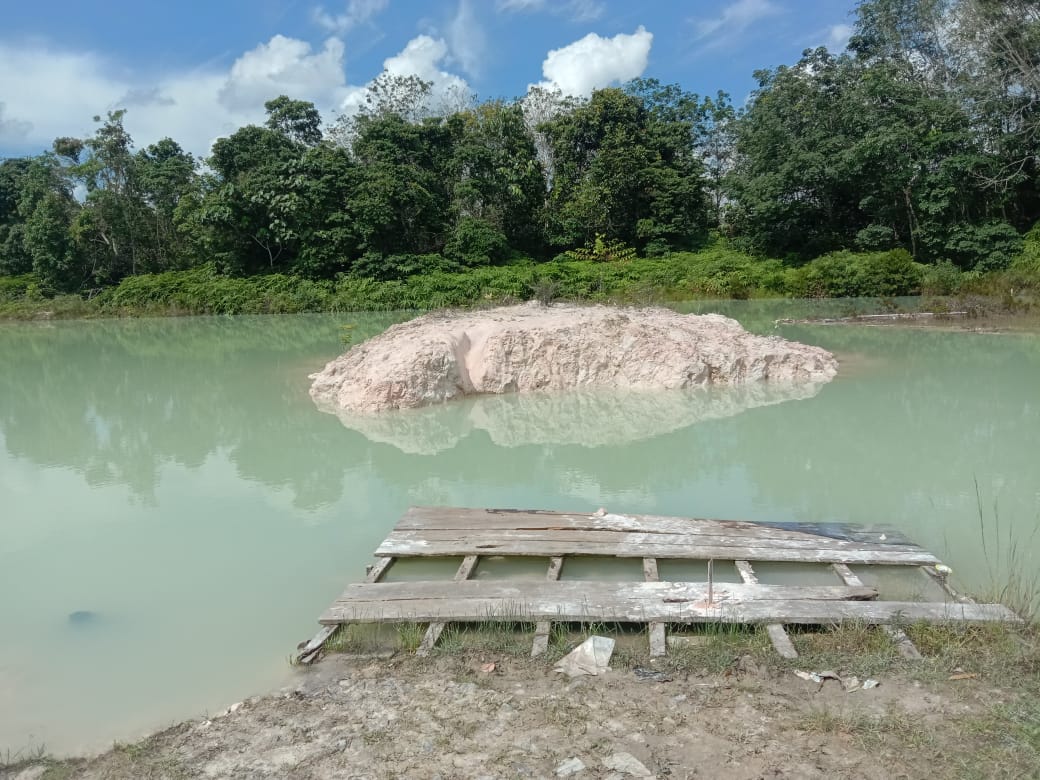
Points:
x=172, y=478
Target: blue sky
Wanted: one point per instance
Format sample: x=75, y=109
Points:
x=195, y=71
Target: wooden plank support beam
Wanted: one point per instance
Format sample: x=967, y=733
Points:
x=541, y=631
x=658, y=647
x=777, y=635
x=942, y=579
x=311, y=651
x=433, y=632
x=903, y=643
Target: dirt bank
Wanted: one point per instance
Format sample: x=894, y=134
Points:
x=723, y=711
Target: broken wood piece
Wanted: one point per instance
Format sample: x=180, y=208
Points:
x=777, y=635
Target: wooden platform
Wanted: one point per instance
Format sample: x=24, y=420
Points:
x=427, y=532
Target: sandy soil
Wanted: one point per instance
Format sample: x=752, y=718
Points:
x=449, y=717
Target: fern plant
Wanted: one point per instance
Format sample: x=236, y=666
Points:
x=602, y=249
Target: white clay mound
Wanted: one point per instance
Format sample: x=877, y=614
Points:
x=441, y=356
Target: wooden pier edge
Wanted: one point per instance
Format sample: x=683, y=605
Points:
x=311, y=651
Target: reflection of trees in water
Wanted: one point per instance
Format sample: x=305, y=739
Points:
x=117, y=400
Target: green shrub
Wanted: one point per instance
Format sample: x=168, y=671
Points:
x=943, y=278
x=24, y=287
x=373, y=265
x=991, y=246
x=852, y=275
x=475, y=242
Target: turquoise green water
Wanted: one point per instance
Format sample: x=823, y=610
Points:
x=173, y=477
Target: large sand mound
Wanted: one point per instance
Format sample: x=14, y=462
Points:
x=441, y=356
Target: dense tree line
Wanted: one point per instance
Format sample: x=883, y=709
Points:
x=923, y=136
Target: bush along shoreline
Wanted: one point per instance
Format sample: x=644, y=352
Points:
x=715, y=272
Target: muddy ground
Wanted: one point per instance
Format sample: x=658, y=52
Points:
x=453, y=716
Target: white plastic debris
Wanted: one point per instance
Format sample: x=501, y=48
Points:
x=849, y=684
x=590, y=657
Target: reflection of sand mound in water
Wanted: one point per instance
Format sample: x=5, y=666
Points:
x=517, y=349
x=585, y=418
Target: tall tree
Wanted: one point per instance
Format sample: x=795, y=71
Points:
x=625, y=172
x=497, y=188
x=14, y=258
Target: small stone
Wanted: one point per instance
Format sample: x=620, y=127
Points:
x=636, y=737
x=680, y=698
x=570, y=767
x=627, y=764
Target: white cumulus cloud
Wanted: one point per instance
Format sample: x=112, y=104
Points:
x=594, y=62
x=423, y=56
x=51, y=92
x=284, y=66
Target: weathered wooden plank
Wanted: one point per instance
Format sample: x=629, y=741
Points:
x=541, y=631
x=434, y=630
x=542, y=549
x=311, y=651
x=846, y=575
x=571, y=601
x=462, y=518
x=800, y=611
x=904, y=645
x=777, y=635
x=650, y=572
x=594, y=590
x=746, y=572
x=658, y=647
x=555, y=566
x=781, y=641
x=483, y=539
